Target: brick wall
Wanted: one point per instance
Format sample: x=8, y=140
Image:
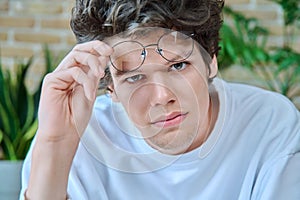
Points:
x=25, y=25
x=270, y=16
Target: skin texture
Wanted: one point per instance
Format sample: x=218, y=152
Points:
x=67, y=99
x=169, y=103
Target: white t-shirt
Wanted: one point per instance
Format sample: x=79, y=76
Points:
x=252, y=153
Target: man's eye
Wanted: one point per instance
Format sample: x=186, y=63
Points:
x=134, y=78
x=178, y=66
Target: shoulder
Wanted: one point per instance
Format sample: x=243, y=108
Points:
x=241, y=98
x=268, y=118
x=264, y=100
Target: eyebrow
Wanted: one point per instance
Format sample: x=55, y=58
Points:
x=176, y=57
x=119, y=73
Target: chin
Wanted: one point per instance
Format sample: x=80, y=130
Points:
x=170, y=148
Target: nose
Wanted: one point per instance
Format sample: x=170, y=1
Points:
x=160, y=95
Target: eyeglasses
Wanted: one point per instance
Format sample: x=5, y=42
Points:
x=130, y=55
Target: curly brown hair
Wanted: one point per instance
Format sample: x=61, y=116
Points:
x=98, y=19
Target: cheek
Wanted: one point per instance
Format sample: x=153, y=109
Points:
x=195, y=94
x=136, y=104
x=193, y=84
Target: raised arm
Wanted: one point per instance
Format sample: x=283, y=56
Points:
x=66, y=103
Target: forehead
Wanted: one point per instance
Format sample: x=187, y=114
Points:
x=153, y=35
x=146, y=36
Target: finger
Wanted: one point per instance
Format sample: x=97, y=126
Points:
x=80, y=59
x=95, y=47
x=103, y=64
x=68, y=79
x=88, y=81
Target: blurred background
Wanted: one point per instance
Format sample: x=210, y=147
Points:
x=260, y=45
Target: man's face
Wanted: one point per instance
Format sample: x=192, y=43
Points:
x=165, y=95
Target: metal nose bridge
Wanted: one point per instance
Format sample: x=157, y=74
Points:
x=157, y=50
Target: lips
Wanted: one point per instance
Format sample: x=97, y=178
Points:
x=170, y=120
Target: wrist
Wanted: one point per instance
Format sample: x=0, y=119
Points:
x=27, y=198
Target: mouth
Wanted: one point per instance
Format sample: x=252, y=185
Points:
x=173, y=119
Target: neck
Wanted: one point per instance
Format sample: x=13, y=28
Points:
x=210, y=121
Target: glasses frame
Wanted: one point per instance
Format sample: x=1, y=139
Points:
x=157, y=50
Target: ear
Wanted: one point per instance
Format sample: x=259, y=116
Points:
x=111, y=91
x=213, y=67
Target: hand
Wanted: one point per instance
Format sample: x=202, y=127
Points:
x=69, y=92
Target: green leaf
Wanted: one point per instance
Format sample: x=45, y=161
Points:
x=30, y=114
x=18, y=109
x=1, y=136
x=5, y=120
x=25, y=141
x=29, y=134
x=9, y=149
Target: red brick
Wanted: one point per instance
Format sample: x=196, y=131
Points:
x=3, y=36
x=3, y=5
x=260, y=14
x=236, y=2
x=15, y=52
x=276, y=30
x=16, y=22
x=37, y=37
x=55, y=23
x=37, y=7
x=71, y=40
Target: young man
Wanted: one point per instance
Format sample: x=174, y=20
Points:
x=168, y=129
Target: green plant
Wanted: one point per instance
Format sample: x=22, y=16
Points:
x=18, y=109
x=286, y=60
x=18, y=113
x=291, y=18
x=244, y=43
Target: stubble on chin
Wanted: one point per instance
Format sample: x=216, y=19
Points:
x=173, y=143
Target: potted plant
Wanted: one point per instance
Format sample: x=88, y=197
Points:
x=18, y=123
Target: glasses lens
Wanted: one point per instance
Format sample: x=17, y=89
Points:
x=127, y=56
x=175, y=46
